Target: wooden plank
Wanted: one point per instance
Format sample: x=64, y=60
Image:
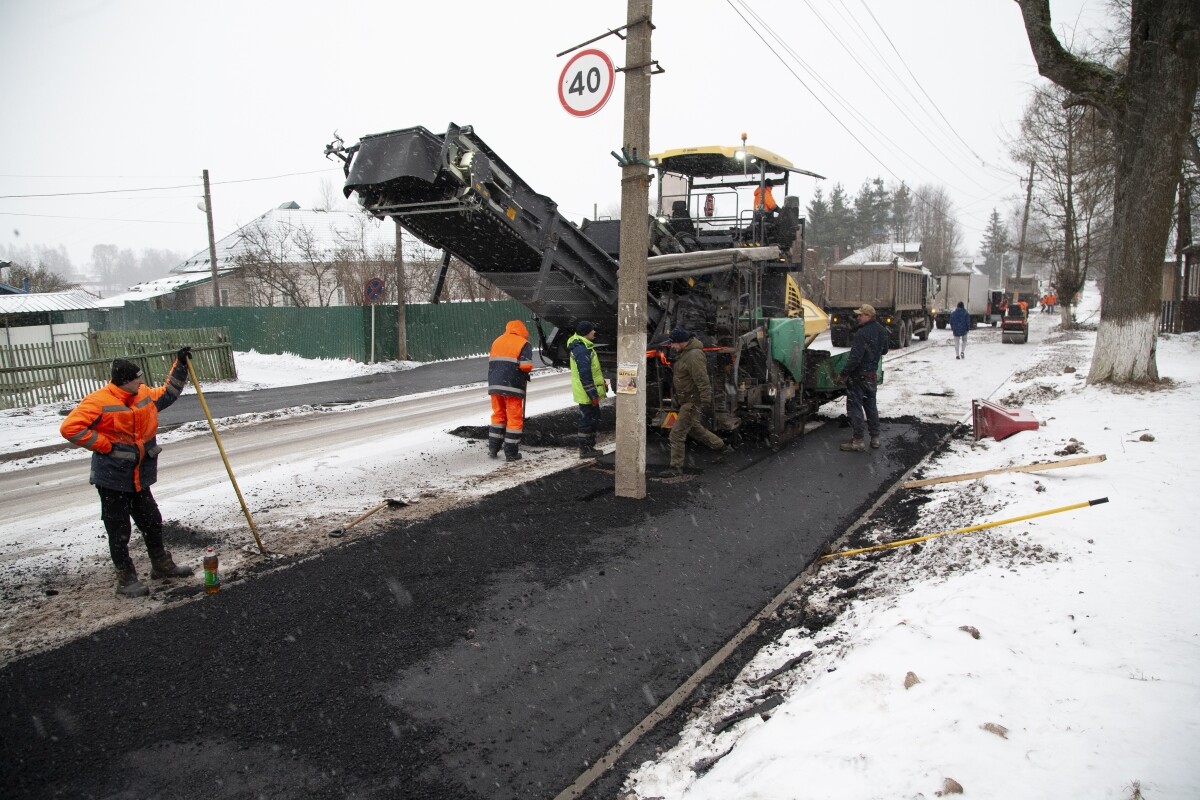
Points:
x=968, y=476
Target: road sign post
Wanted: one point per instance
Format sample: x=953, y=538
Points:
x=373, y=292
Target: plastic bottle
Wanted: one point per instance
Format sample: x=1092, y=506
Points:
x=212, y=577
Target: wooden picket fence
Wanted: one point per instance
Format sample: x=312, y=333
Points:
x=37, y=374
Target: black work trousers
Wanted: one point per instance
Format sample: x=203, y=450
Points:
x=116, y=508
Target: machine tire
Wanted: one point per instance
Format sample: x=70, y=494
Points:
x=924, y=334
x=907, y=333
x=941, y=323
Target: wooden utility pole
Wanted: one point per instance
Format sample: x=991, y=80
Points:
x=401, y=296
x=1025, y=217
x=212, y=243
x=631, y=288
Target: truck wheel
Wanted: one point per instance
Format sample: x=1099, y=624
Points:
x=924, y=334
x=907, y=333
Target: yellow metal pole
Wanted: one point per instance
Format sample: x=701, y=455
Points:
x=221, y=447
x=995, y=524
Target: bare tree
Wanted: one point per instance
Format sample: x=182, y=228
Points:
x=40, y=278
x=1072, y=152
x=934, y=222
x=1148, y=105
x=286, y=261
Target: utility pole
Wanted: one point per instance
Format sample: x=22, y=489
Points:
x=1025, y=216
x=401, y=296
x=212, y=243
x=631, y=283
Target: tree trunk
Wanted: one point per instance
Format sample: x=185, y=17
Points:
x=1161, y=87
x=1150, y=109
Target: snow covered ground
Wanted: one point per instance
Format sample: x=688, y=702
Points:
x=1053, y=658
x=1083, y=681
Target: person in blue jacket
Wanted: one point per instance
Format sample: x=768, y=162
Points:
x=960, y=326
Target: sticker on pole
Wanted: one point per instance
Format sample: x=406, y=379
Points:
x=586, y=83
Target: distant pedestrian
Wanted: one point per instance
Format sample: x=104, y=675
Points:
x=119, y=424
x=960, y=326
x=859, y=376
x=587, y=385
x=692, y=390
x=509, y=363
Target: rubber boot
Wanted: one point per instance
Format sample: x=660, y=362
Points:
x=874, y=442
x=512, y=455
x=853, y=446
x=587, y=448
x=128, y=584
x=163, y=566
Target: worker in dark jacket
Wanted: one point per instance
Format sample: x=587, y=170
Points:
x=509, y=363
x=119, y=424
x=960, y=326
x=587, y=385
x=692, y=391
x=859, y=376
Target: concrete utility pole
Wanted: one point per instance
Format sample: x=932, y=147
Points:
x=212, y=243
x=401, y=296
x=631, y=288
x=1025, y=217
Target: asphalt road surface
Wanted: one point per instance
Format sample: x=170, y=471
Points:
x=493, y=651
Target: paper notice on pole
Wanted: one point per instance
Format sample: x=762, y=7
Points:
x=627, y=379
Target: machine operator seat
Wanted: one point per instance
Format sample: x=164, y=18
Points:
x=680, y=221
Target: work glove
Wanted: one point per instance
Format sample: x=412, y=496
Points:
x=184, y=354
x=595, y=401
x=839, y=379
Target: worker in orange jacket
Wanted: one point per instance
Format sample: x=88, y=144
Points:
x=119, y=423
x=509, y=363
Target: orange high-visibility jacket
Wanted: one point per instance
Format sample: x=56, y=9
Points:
x=510, y=361
x=120, y=429
x=764, y=200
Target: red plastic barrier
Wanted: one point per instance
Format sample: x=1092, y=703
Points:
x=993, y=419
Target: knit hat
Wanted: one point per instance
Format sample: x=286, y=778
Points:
x=583, y=328
x=678, y=335
x=124, y=371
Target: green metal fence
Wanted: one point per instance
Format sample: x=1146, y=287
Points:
x=433, y=332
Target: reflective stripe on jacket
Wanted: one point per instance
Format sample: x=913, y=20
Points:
x=510, y=361
x=120, y=429
x=587, y=380
x=689, y=376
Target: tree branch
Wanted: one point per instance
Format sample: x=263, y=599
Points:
x=1090, y=83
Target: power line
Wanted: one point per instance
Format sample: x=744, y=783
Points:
x=163, y=188
x=96, y=219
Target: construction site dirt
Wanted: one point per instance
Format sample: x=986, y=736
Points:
x=493, y=650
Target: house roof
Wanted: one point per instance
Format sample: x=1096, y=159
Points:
x=330, y=230
x=157, y=288
x=883, y=253
x=73, y=300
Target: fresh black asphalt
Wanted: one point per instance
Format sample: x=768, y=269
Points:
x=493, y=651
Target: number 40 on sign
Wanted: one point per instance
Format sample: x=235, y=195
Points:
x=586, y=83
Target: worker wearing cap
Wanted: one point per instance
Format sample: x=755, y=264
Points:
x=587, y=385
x=692, y=391
x=509, y=363
x=859, y=377
x=119, y=424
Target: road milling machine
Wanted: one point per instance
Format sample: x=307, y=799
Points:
x=717, y=266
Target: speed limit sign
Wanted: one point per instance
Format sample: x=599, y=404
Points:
x=586, y=83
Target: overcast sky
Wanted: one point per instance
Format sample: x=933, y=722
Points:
x=102, y=95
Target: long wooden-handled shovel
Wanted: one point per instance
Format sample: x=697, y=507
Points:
x=212, y=425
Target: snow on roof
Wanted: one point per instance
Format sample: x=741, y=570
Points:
x=330, y=230
x=157, y=288
x=72, y=300
x=907, y=252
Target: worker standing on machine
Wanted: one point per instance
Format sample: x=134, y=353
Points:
x=692, y=390
x=509, y=363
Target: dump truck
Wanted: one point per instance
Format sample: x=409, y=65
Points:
x=901, y=293
x=967, y=286
x=1022, y=290
x=730, y=285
